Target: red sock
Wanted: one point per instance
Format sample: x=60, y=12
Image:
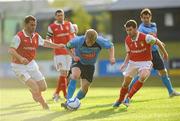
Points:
x=58, y=87
x=63, y=86
x=135, y=88
x=123, y=93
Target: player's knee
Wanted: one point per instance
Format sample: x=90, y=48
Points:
x=43, y=88
x=74, y=77
x=126, y=82
x=64, y=74
x=144, y=75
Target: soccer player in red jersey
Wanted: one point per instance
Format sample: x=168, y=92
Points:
x=149, y=27
x=23, y=51
x=138, y=59
x=61, y=31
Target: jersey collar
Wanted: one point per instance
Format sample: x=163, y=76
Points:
x=136, y=39
x=26, y=34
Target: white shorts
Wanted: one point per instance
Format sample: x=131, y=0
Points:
x=62, y=62
x=133, y=68
x=25, y=72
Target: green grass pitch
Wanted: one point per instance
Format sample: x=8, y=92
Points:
x=151, y=103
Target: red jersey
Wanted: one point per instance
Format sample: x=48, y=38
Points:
x=27, y=48
x=139, y=49
x=61, y=34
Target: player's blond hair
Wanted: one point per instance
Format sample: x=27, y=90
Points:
x=91, y=35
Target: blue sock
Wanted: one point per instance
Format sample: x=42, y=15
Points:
x=166, y=81
x=71, y=88
x=80, y=94
x=132, y=82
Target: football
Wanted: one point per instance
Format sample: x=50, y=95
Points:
x=73, y=103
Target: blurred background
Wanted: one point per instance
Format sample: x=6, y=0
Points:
x=105, y=16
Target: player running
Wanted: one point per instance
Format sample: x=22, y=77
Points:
x=87, y=49
x=61, y=31
x=149, y=27
x=138, y=59
x=23, y=51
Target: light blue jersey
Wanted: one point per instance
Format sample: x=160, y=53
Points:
x=88, y=55
x=147, y=29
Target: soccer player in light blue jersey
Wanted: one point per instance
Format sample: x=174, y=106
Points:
x=87, y=49
x=149, y=27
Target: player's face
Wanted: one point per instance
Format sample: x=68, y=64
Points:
x=89, y=42
x=131, y=31
x=31, y=26
x=146, y=19
x=59, y=16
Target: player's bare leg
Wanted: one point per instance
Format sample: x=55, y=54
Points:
x=36, y=93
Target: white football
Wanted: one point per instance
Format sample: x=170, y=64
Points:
x=73, y=103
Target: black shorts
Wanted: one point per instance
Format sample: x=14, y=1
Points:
x=87, y=71
x=157, y=61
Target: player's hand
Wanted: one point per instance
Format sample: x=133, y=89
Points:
x=122, y=67
x=24, y=61
x=76, y=58
x=112, y=61
x=61, y=45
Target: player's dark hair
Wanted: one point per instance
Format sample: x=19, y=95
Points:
x=29, y=18
x=131, y=23
x=59, y=11
x=146, y=11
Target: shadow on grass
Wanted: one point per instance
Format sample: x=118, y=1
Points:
x=102, y=114
x=20, y=106
x=148, y=100
x=49, y=117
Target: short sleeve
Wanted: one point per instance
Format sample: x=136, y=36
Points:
x=49, y=33
x=72, y=29
x=150, y=39
x=15, y=42
x=105, y=43
x=40, y=41
x=72, y=44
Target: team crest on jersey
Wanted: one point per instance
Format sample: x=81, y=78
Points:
x=25, y=40
x=56, y=29
x=67, y=28
x=142, y=44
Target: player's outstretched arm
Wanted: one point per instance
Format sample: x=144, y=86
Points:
x=49, y=44
x=162, y=48
x=111, y=55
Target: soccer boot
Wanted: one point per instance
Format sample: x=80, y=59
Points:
x=126, y=102
x=56, y=97
x=116, y=104
x=64, y=105
x=174, y=93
